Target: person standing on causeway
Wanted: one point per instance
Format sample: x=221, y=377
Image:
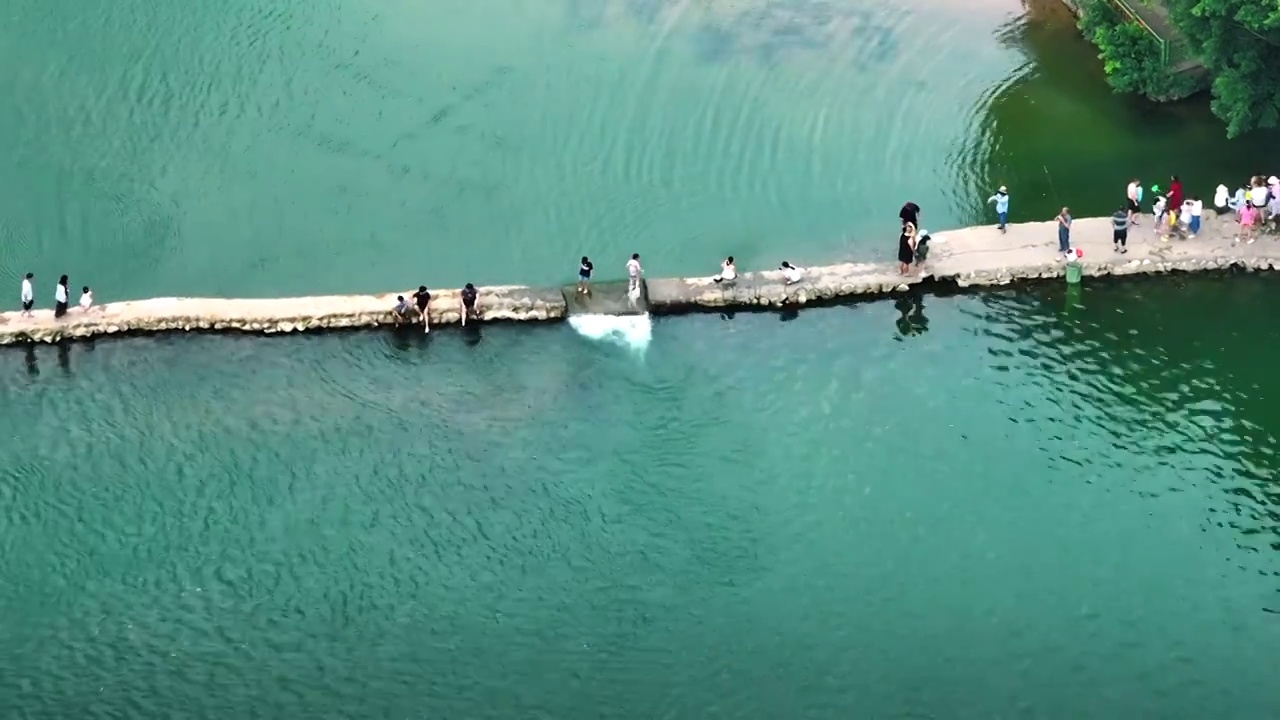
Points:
x=584, y=275
x=60, y=298
x=634, y=273
x=1001, y=199
x=28, y=295
x=1064, y=231
x=1134, y=194
x=1120, y=227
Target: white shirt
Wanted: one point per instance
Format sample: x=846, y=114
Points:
x=792, y=274
x=27, y=294
x=1220, y=196
x=86, y=299
x=633, y=267
x=1258, y=196
x=60, y=295
x=728, y=271
x=1159, y=205
x=1197, y=208
x=1186, y=211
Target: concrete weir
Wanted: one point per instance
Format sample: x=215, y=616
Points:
x=975, y=256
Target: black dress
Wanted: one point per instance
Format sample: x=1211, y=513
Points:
x=905, y=254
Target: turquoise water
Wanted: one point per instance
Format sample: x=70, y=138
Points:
x=1005, y=505
x=1013, y=504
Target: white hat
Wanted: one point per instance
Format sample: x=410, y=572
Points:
x=1002, y=189
x=1272, y=180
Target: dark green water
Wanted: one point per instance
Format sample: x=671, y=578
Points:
x=1013, y=504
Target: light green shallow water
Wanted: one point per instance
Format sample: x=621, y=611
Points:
x=1003, y=505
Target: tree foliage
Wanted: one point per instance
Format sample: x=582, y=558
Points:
x=1130, y=55
x=1239, y=42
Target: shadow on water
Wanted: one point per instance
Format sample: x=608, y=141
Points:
x=407, y=343
x=64, y=358
x=1176, y=371
x=911, y=319
x=1056, y=134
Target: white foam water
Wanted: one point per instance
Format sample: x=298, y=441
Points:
x=630, y=331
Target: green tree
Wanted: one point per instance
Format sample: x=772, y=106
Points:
x=1239, y=42
x=1131, y=57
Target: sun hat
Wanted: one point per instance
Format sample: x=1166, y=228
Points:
x=1003, y=189
x=1272, y=180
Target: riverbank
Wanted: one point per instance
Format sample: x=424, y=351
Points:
x=968, y=257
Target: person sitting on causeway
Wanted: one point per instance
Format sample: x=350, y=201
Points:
x=421, y=299
x=468, y=297
x=792, y=273
x=402, y=310
x=728, y=272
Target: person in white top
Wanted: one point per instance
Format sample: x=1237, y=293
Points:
x=28, y=295
x=1197, y=209
x=1221, y=200
x=728, y=273
x=1273, y=208
x=86, y=299
x=1184, y=215
x=792, y=273
x=1134, y=193
x=1157, y=211
x=634, y=272
x=1258, y=197
x=60, y=296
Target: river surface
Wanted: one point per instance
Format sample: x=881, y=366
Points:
x=1027, y=503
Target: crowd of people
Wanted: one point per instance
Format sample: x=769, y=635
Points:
x=61, y=297
x=1255, y=207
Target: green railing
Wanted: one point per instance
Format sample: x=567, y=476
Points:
x=1173, y=48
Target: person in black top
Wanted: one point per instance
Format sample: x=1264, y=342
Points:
x=421, y=299
x=60, y=297
x=584, y=275
x=468, y=296
x=906, y=249
x=910, y=213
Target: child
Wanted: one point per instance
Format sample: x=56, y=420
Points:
x=1248, y=216
x=1157, y=210
x=1170, y=225
x=86, y=299
x=1187, y=217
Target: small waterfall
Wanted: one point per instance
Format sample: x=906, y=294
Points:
x=630, y=331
